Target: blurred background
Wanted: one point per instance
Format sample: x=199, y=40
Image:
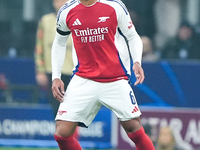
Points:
x=169, y=96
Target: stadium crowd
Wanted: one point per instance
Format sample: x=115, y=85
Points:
x=160, y=21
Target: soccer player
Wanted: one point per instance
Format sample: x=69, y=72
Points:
x=98, y=29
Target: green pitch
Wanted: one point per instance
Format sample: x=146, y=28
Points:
x=20, y=148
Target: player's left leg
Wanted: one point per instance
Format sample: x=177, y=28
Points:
x=136, y=133
x=116, y=94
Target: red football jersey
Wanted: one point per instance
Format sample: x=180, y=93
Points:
x=98, y=33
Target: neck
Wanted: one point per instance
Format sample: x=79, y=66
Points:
x=88, y=2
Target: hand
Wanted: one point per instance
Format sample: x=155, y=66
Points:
x=42, y=80
x=58, y=89
x=139, y=73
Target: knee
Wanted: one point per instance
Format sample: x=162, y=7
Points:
x=62, y=132
x=133, y=129
x=58, y=132
x=62, y=140
x=131, y=126
x=64, y=129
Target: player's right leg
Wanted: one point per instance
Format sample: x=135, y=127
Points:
x=79, y=107
x=64, y=135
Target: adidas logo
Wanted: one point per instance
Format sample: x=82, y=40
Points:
x=77, y=22
x=135, y=110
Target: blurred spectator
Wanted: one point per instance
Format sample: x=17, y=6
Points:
x=148, y=50
x=167, y=19
x=45, y=36
x=186, y=45
x=166, y=140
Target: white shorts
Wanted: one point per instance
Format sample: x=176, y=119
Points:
x=84, y=98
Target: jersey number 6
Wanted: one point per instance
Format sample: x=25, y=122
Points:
x=133, y=100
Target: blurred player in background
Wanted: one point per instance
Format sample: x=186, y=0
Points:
x=148, y=54
x=45, y=36
x=102, y=70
